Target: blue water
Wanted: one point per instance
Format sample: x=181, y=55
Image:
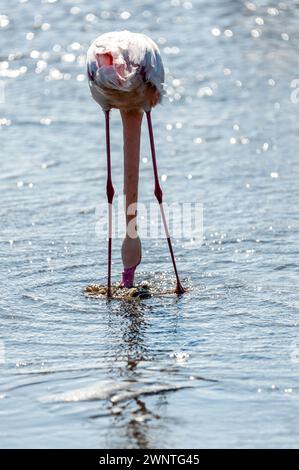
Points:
x=217, y=367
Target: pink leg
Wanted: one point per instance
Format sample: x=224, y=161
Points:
x=110, y=194
x=159, y=195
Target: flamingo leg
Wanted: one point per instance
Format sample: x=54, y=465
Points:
x=110, y=194
x=159, y=195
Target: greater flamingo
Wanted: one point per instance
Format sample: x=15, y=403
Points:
x=125, y=71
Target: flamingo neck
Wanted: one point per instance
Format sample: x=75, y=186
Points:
x=132, y=121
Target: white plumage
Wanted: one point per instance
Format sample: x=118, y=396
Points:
x=125, y=71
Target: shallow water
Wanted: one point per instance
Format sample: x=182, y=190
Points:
x=217, y=367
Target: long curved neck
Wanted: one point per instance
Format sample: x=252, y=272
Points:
x=131, y=121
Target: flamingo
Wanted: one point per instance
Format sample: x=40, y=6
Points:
x=125, y=71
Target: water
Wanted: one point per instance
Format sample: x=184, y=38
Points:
x=217, y=367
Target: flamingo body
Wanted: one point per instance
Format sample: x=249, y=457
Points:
x=125, y=71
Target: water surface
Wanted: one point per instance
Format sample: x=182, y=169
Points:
x=217, y=367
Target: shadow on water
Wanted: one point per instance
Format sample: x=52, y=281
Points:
x=134, y=349
x=140, y=368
